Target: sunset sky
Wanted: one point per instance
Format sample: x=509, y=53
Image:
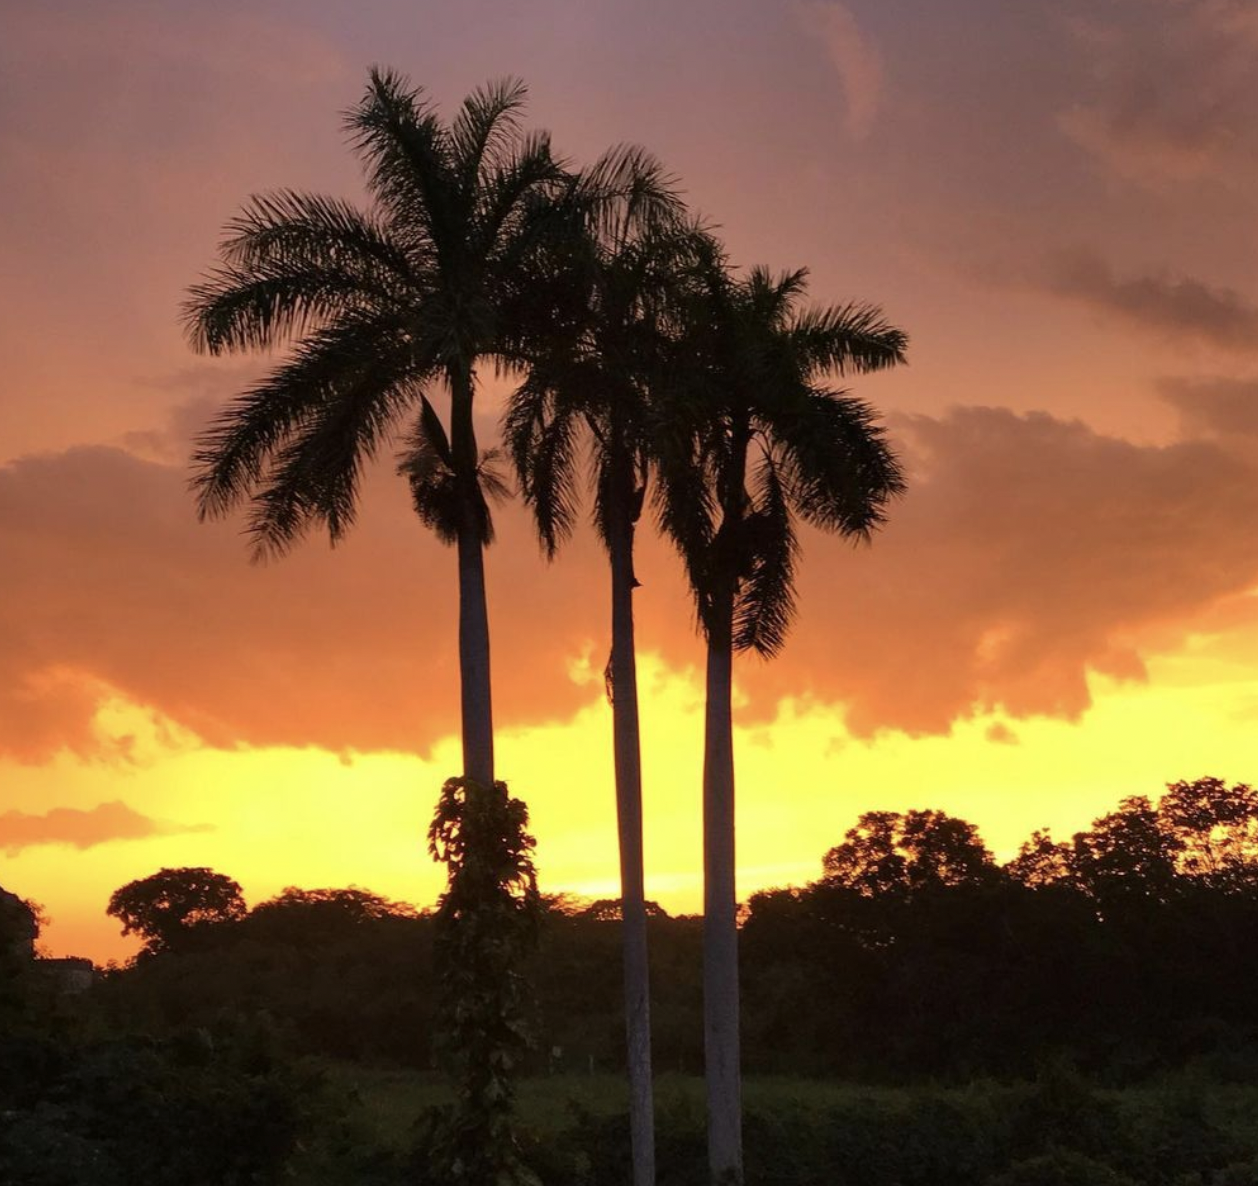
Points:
x=1056, y=199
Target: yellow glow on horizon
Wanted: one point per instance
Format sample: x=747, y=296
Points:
x=280, y=817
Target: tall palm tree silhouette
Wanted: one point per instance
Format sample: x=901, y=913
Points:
x=758, y=441
x=592, y=385
x=383, y=307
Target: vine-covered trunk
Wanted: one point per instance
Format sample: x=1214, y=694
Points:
x=720, y=906
x=628, y=766
x=485, y=930
x=476, y=700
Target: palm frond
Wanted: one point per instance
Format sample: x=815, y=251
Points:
x=849, y=339
x=299, y=230
x=840, y=471
x=504, y=191
x=258, y=307
x=232, y=457
x=436, y=493
x=427, y=465
x=492, y=478
x=487, y=124
x=627, y=193
x=410, y=167
x=312, y=477
x=765, y=602
x=541, y=435
x=683, y=498
x=769, y=298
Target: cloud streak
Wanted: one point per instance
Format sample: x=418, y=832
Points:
x=852, y=54
x=81, y=829
x=1177, y=307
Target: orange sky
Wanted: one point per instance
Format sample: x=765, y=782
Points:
x=1056, y=201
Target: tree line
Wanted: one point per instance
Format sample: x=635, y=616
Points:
x=1123, y=950
x=638, y=353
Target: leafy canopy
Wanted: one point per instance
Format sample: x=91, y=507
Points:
x=166, y=908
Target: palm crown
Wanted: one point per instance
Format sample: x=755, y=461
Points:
x=589, y=381
x=756, y=440
x=382, y=304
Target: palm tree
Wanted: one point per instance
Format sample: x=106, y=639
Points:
x=593, y=384
x=383, y=307
x=758, y=442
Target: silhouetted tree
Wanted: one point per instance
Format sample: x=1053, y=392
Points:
x=593, y=384
x=758, y=441
x=19, y=925
x=1126, y=854
x=322, y=914
x=1041, y=861
x=19, y=929
x=1215, y=827
x=385, y=306
x=887, y=852
x=170, y=906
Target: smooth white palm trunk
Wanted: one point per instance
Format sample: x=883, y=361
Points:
x=628, y=767
x=720, y=923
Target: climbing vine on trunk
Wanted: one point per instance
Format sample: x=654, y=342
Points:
x=486, y=926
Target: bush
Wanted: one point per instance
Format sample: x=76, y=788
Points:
x=195, y=1110
x=1060, y=1167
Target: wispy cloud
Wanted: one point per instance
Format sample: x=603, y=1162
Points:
x=852, y=54
x=84, y=829
x=1222, y=409
x=1171, y=306
x=1171, y=92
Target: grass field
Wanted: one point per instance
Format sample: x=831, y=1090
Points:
x=1182, y=1131
x=389, y=1100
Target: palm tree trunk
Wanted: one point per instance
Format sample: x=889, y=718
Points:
x=476, y=699
x=477, y=705
x=628, y=764
x=720, y=906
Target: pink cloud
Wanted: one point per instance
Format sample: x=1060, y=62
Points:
x=1171, y=90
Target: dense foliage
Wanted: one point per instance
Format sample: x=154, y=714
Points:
x=1124, y=949
x=198, y=1108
